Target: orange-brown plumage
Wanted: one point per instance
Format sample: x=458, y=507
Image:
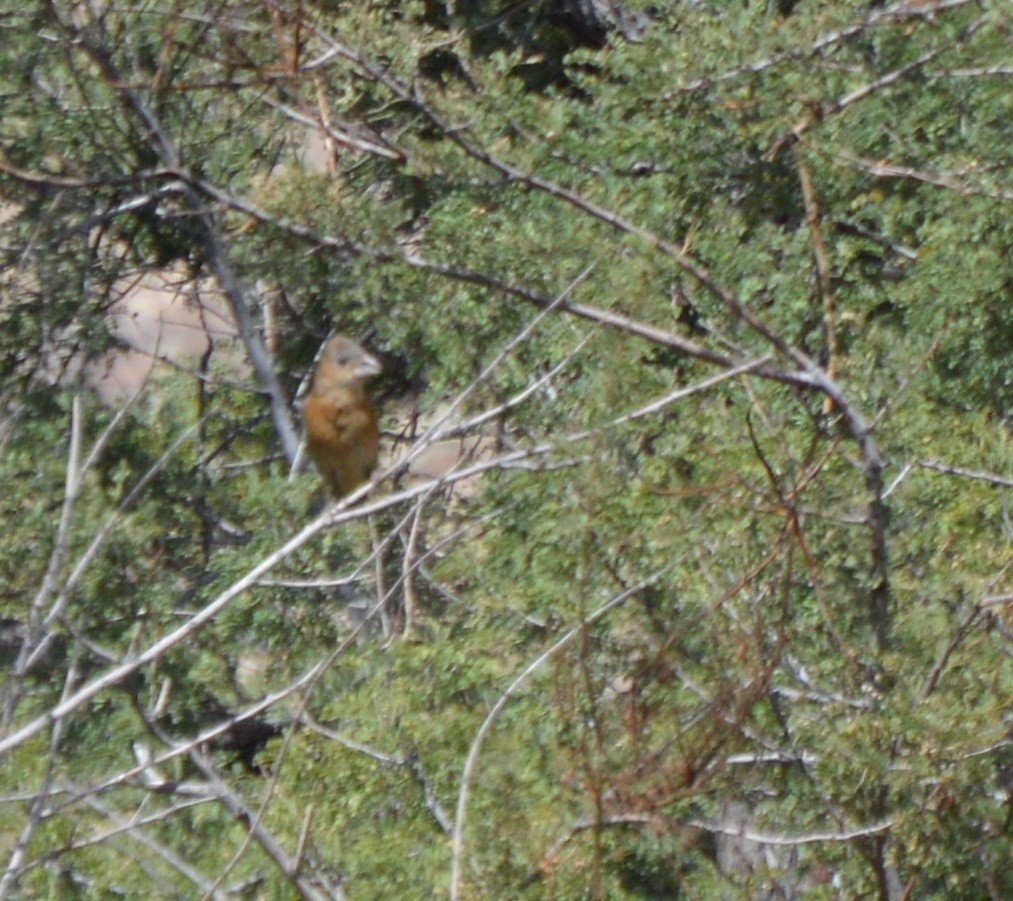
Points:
x=341, y=431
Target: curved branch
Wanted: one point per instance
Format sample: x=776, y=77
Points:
x=483, y=730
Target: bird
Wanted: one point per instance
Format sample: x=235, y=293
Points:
x=342, y=435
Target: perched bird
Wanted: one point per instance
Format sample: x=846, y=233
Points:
x=341, y=432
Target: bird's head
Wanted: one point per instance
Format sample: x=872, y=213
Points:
x=342, y=361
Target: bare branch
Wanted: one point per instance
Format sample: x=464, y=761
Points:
x=970, y=615
x=784, y=840
x=133, y=829
x=471, y=761
x=286, y=864
x=824, y=111
x=813, y=219
x=352, y=137
x=992, y=478
x=898, y=12
x=947, y=181
x=816, y=377
x=341, y=512
x=36, y=811
x=213, y=244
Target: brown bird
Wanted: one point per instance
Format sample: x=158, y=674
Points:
x=341, y=432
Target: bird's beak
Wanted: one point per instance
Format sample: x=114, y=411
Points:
x=367, y=366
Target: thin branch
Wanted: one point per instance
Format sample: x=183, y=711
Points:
x=879, y=594
x=880, y=169
x=654, y=821
x=909, y=377
x=457, y=846
x=813, y=219
x=213, y=244
x=432, y=803
x=37, y=639
x=617, y=321
x=409, y=762
x=971, y=614
x=820, y=112
x=851, y=227
x=350, y=743
x=36, y=811
x=35, y=178
x=353, y=137
x=898, y=12
x=779, y=839
x=992, y=478
x=339, y=513
x=286, y=863
x=56, y=558
x=132, y=828
x=307, y=683
x=409, y=563
x=977, y=72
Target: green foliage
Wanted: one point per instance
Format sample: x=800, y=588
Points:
x=703, y=570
